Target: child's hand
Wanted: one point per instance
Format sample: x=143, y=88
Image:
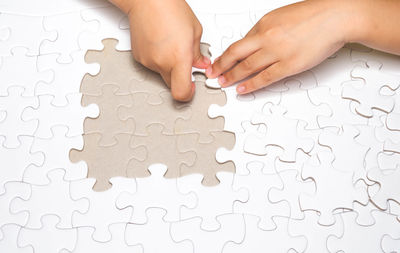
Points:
x=165, y=37
x=284, y=42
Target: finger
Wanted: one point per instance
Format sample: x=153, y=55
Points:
x=182, y=88
x=166, y=75
x=236, y=52
x=199, y=61
x=250, y=65
x=272, y=74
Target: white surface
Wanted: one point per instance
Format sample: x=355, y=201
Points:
x=59, y=28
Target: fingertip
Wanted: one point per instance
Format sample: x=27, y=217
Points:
x=241, y=88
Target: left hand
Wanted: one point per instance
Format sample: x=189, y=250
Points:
x=285, y=42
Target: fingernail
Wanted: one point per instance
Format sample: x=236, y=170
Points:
x=241, y=89
x=221, y=80
x=209, y=71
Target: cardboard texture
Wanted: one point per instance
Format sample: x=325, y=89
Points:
x=139, y=123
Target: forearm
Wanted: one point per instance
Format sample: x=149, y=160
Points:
x=376, y=23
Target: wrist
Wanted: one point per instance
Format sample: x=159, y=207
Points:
x=354, y=20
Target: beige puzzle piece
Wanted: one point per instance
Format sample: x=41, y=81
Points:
x=153, y=85
x=200, y=122
x=107, y=162
x=161, y=148
x=140, y=124
x=206, y=162
x=145, y=114
x=107, y=123
x=116, y=67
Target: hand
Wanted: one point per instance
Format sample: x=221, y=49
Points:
x=165, y=37
x=284, y=42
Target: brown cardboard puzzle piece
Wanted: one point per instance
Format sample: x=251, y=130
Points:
x=206, y=163
x=105, y=162
x=140, y=124
x=116, y=67
x=161, y=148
x=107, y=123
x=200, y=122
x=145, y=114
x=153, y=85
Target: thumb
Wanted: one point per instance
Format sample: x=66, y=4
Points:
x=182, y=87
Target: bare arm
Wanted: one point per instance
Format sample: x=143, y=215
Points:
x=297, y=37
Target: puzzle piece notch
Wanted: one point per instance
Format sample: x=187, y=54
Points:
x=307, y=112
x=108, y=123
x=85, y=242
x=221, y=197
x=333, y=71
x=49, y=237
x=15, y=161
x=291, y=189
x=281, y=131
x=145, y=114
x=158, y=192
x=259, y=240
x=55, y=150
x=155, y=227
x=369, y=96
x=53, y=198
x=206, y=162
x=19, y=36
x=315, y=233
x=12, y=126
x=104, y=201
x=388, y=189
x=200, y=122
x=49, y=115
x=64, y=82
x=236, y=111
x=105, y=162
x=232, y=229
x=328, y=197
x=155, y=142
x=353, y=237
x=108, y=19
x=9, y=239
x=14, y=190
x=68, y=27
x=131, y=73
x=237, y=155
x=342, y=111
x=340, y=144
x=257, y=184
x=17, y=62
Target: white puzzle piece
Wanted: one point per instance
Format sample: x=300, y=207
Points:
x=258, y=240
x=156, y=227
x=68, y=28
x=81, y=190
x=48, y=238
x=232, y=229
x=156, y=191
x=220, y=197
x=15, y=64
x=53, y=198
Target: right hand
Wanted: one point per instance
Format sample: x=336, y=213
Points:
x=165, y=37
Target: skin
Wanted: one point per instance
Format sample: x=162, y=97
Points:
x=286, y=41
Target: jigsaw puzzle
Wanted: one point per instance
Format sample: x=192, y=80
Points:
x=95, y=155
